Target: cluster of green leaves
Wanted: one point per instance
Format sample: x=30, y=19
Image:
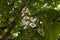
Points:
x=47, y=11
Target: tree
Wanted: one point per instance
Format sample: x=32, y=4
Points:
x=29, y=19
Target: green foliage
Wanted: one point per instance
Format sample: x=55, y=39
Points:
x=29, y=19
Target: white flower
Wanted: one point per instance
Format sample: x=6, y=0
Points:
x=23, y=10
x=33, y=19
x=26, y=23
x=24, y=27
x=32, y=25
x=22, y=14
x=26, y=17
